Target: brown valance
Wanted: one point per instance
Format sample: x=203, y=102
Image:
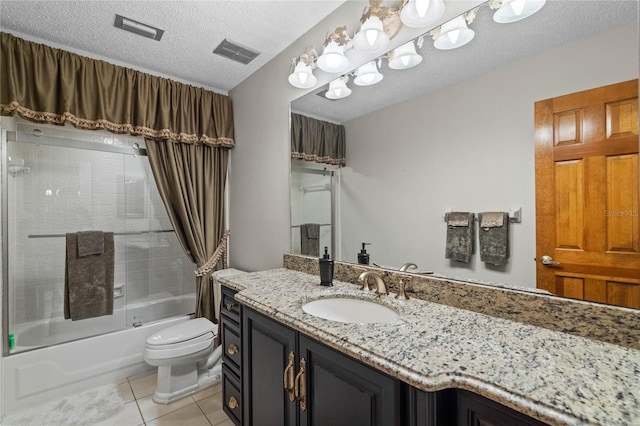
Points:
x=48, y=85
x=317, y=140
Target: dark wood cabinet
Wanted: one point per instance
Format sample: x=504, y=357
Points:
x=475, y=410
x=231, y=317
x=290, y=379
x=274, y=375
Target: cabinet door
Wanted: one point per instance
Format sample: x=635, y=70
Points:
x=267, y=345
x=341, y=391
x=429, y=408
x=475, y=410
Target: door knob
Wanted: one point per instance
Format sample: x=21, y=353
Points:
x=548, y=261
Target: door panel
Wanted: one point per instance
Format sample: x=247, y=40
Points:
x=587, y=209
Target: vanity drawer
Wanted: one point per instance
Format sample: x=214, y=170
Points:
x=230, y=308
x=231, y=395
x=231, y=341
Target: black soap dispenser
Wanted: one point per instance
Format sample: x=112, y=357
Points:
x=326, y=269
x=363, y=256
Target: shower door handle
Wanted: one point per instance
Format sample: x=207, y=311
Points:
x=118, y=291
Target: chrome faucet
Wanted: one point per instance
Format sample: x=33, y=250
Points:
x=381, y=287
x=407, y=266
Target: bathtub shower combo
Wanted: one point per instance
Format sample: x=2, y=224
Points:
x=59, y=180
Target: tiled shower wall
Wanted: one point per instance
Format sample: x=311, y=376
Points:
x=69, y=190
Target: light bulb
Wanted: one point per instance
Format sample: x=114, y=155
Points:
x=405, y=60
x=333, y=60
x=421, y=7
x=302, y=76
x=453, y=36
x=372, y=36
x=517, y=6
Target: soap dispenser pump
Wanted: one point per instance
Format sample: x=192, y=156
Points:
x=326, y=269
x=363, y=256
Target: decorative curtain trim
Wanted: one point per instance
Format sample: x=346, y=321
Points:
x=49, y=85
x=210, y=264
x=317, y=140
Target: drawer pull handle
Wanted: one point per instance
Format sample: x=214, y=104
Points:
x=232, y=349
x=301, y=385
x=288, y=377
x=233, y=403
x=229, y=306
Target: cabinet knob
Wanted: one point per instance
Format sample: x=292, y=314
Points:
x=232, y=349
x=233, y=403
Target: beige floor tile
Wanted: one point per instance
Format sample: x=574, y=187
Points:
x=212, y=408
x=210, y=391
x=150, y=410
x=129, y=416
x=227, y=422
x=190, y=415
x=126, y=392
x=143, y=386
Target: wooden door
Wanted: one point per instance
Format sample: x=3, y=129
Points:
x=587, y=216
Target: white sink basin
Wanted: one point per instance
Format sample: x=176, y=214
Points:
x=349, y=310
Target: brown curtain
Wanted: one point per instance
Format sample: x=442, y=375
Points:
x=187, y=129
x=317, y=140
x=50, y=85
x=191, y=181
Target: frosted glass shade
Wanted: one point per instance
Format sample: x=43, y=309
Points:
x=515, y=10
x=368, y=74
x=454, y=34
x=371, y=37
x=421, y=13
x=302, y=76
x=405, y=57
x=338, y=89
x=332, y=59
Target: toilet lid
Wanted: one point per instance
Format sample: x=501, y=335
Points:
x=184, y=331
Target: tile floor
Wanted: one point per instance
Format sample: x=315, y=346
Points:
x=200, y=409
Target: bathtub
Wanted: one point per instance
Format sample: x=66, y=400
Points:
x=31, y=377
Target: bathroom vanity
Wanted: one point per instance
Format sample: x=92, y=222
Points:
x=433, y=365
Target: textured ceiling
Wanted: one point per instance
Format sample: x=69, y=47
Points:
x=192, y=30
x=559, y=22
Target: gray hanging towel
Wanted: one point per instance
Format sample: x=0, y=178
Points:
x=310, y=239
x=88, y=280
x=90, y=243
x=494, y=237
x=460, y=236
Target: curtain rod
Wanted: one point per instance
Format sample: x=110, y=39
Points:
x=115, y=233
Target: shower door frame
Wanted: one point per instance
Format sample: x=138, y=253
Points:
x=4, y=135
x=333, y=176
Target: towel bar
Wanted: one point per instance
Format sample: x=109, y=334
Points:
x=515, y=215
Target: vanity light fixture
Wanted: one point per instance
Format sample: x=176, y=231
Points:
x=338, y=88
x=404, y=57
x=421, y=13
x=514, y=10
x=367, y=74
x=333, y=59
x=371, y=37
x=453, y=34
x=302, y=76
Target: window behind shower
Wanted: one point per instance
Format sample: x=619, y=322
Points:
x=60, y=180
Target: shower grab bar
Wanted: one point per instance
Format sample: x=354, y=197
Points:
x=115, y=234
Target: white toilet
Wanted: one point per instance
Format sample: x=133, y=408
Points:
x=186, y=356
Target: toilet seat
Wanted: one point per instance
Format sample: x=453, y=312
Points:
x=187, y=338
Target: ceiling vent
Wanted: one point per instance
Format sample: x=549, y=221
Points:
x=138, y=27
x=236, y=52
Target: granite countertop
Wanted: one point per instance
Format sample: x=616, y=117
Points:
x=555, y=377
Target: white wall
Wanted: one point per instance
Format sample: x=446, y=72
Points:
x=469, y=147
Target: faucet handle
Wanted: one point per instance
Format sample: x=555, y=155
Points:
x=402, y=295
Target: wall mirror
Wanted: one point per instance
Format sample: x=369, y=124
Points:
x=457, y=133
